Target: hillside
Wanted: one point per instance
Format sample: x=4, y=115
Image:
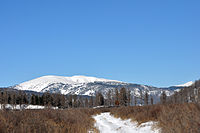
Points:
x=83, y=85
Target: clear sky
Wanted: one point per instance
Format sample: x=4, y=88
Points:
x=153, y=42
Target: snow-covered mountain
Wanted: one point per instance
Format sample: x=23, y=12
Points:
x=43, y=83
x=186, y=84
x=83, y=85
x=179, y=87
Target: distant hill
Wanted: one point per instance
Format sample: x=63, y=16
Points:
x=88, y=86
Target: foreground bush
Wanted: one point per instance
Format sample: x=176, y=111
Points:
x=180, y=118
x=48, y=121
x=174, y=118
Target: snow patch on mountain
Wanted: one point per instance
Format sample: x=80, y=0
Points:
x=186, y=84
x=39, y=84
x=83, y=85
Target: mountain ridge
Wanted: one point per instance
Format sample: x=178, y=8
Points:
x=83, y=85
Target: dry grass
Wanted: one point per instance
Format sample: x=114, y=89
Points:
x=180, y=118
x=140, y=114
x=174, y=118
x=51, y=121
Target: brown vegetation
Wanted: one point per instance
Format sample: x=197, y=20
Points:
x=172, y=118
x=179, y=113
x=140, y=114
x=180, y=118
x=51, y=121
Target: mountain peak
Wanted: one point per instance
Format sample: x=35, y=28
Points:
x=186, y=84
x=40, y=83
x=84, y=85
x=87, y=79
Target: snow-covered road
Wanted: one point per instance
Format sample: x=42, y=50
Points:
x=106, y=123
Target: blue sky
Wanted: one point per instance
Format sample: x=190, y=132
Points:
x=140, y=41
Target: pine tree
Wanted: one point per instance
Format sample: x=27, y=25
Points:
x=5, y=97
x=175, y=97
x=123, y=97
x=99, y=99
x=151, y=100
x=135, y=100
x=33, y=99
x=48, y=99
x=25, y=99
x=80, y=102
x=63, y=101
x=91, y=102
x=9, y=99
x=116, y=97
x=86, y=102
x=146, y=98
x=1, y=99
x=141, y=98
x=163, y=97
x=74, y=101
x=129, y=97
x=70, y=101
x=109, y=97
x=199, y=95
x=41, y=100
x=36, y=100
x=19, y=99
x=13, y=101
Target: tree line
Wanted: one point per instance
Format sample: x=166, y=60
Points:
x=186, y=95
x=123, y=97
x=115, y=97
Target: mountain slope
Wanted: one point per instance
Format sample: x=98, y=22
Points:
x=179, y=87
x=83, y=85
x=186, y=84
x=39, y=84
x=80, y=85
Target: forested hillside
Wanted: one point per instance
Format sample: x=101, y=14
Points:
x=187, y=94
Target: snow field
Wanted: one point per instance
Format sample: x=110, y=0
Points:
x=106, y=123
x=18, y=107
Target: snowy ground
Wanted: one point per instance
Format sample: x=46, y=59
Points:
x=23, y=106
x=106, y=123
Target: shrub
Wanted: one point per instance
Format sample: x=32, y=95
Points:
x=51, y=121
x=171, y=118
